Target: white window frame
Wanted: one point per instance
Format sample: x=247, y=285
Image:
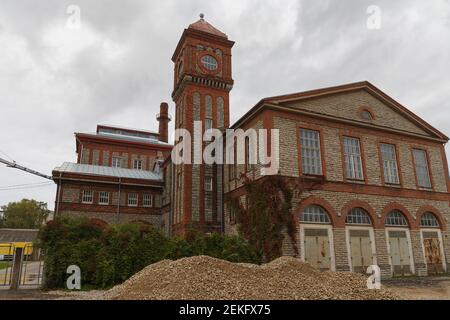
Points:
x=311, y=153
x=208, y=123
x=396, y=225
x=426, y=166
x=324, y=213
x=131, y=201
x=138, y=164
x=116, y=162
x=389, y=163
x=148, y=200
x=438, y=226
x=209, y=62
x=87, y=194
x=353, y=160
x=103, y=198
x=209, y=184
x=348, y=228
x=363, y=213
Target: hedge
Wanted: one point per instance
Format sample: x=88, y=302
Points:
x=109, y=255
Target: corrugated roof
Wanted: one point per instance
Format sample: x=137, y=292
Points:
x=87, y=169
x=127, y=128
x=127, y=138
x=18, y=235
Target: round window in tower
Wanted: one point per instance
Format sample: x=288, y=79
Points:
x=209, y=62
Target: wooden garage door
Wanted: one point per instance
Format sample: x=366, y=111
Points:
x=433, y=256
x=317, y=248
x=360, y=250
x=400, y=257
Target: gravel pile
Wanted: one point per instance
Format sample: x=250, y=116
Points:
x=206, y=278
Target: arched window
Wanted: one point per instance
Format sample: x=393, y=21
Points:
x=315, y=214
x=396, y=218
x=366, y=115
x=358, y=216
x=429, y=220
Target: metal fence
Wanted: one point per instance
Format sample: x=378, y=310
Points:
x=20, y=267
x=7, y=251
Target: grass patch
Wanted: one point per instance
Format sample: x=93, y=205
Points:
x=4, y=265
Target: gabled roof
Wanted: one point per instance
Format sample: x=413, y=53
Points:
x=91, y=170
x=364, y=85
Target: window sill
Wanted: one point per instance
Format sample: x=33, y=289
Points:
x=355, y=180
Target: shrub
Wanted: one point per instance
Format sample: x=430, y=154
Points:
x=108, y=255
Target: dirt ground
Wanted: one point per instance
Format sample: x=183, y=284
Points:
x=430, y=288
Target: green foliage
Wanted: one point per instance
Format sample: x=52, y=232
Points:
x=25, y=214
x=110, y=255
x=268, y=213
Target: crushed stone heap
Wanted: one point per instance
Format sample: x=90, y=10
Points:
x=206, y=278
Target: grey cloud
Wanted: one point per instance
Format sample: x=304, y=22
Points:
x=281, y=47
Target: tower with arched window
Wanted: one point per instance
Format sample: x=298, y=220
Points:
x=202, y=82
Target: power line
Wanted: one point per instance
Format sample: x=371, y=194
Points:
x=24, y=185
x=27, y=187
x=6, y=155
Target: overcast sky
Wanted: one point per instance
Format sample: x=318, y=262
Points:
x=116, y=68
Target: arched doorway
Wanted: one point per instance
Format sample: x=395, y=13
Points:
x=316, y=238
x=399, y=243
x=433, y=249
x=360, y=240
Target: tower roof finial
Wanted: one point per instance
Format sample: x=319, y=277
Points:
x=202, y=16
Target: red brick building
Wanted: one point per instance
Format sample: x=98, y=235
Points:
x=384, y=189
x=117, y=175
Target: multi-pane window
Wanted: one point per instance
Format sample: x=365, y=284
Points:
x=208, y=184
x=209, y=62
x=147, y=200
x=310, y=152
x=390, y=167
x=422, y=171
x=116, y=162
x=88, y=196
x=358, y=216
x=137, y=164
x=315, y=214
x=208, y=124
x=353, y=161
x=396, y=218
x=103, y=198
x=132, y=199
x=428, y=220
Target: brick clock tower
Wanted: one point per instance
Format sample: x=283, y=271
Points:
x=202, y=83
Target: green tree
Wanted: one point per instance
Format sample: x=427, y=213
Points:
x=25, y=214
